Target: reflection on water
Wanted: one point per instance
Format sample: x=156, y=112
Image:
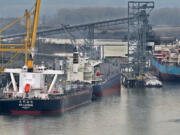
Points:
x=135, y=112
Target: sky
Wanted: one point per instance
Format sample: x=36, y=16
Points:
x=15, y=8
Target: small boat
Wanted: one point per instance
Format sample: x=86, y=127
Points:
x=151, y=81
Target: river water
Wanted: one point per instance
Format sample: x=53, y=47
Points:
x=152, y=111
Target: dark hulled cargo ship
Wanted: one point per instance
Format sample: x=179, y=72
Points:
x=44, y=91
x=108, y=87
x=32, y=97
x=107, y=81
x=40, y=90
x=57, y=104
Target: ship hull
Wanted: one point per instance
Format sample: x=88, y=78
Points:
x=48, y=106
x=166, y=72
x=108, y=88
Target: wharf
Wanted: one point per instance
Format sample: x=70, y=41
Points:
x=145, y=80
x=131, y=81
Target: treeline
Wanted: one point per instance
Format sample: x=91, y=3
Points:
x=86, y=14
x=166, y=16
x=162, y=16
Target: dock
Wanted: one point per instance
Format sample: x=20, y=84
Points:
x=131, y=81
x=145, y=80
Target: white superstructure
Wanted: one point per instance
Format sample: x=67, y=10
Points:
x=83, y=72
x=31, y=84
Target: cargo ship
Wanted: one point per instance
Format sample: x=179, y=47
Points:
x=107, y=78
x=166, y=62
x=36, y=89
x=109, y=87
x=33, y=94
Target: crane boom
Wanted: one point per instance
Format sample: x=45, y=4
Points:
x=35, y=23
x=33, y=38
x=29, y=44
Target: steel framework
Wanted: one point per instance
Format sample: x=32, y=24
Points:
x=89, y=27
x=137, y=34
x=71, y=28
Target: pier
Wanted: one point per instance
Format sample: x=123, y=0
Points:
x=130, y=81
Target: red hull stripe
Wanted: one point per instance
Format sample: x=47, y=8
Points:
x=165, y=76
x=110, y=91
x=77, y=93
x=19, y=112
x=25, y=112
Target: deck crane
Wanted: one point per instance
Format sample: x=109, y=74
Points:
x=34, y=31
x=28, y=46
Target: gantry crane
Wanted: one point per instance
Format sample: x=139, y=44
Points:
x=28, y=46
x=138, y=29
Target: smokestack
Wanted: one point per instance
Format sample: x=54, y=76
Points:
x=75, y=60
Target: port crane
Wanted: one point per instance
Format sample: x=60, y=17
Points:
x=28, y=46
x=140, y=10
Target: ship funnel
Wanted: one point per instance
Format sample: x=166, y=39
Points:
x=30, y=64
x=75, y=56
x=75, y=60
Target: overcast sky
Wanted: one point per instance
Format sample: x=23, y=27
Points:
x=12, y=8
